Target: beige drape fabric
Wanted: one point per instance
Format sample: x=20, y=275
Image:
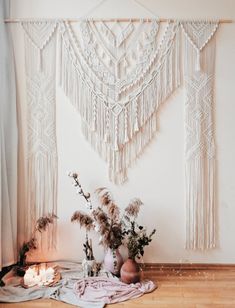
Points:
x=8, y=146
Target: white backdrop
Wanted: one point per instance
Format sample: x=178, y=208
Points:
x=158, y=176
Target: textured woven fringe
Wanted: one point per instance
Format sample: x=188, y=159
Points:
x=200, y=165
x=42, y=194
x=121, y=160
x=200, y=199
x=40, y=66
x=119, y=137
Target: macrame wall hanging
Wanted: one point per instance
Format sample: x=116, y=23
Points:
x=40, y=66
x=117, y=74
x=199, y=55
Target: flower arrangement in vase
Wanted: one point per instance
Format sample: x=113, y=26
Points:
x=108, y=223
x=136, y=239
x=105, y=220
x=112, y=227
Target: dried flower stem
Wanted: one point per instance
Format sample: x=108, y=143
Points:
x=41, y=225
x=77, y=184
x=83, y=219
x=88, y=250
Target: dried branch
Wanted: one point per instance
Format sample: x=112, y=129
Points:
x=77, y=184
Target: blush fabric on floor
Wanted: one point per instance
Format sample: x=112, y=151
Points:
x=74, y=289
x=109, y=290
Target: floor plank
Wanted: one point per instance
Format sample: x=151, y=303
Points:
x=186, y=288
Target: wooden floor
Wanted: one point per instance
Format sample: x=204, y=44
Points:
x=176, y=288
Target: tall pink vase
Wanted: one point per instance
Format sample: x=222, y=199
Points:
x=113, y=261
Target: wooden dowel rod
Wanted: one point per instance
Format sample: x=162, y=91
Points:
x=16, y=20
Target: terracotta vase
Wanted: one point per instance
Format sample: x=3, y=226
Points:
x=113, y=261
x=130, y=271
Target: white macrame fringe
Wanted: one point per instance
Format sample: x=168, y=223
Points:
x=121, y=160
x=125, y=128
x=200, y=201
x=42, y=193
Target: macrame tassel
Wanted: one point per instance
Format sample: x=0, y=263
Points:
x=126, y=139
x=107, y=125
x=116, y=147
x=136, y=126
x=38, y=36
x=197, y=38
x=197, y=61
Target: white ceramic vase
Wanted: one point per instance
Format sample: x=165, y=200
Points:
x=113, y=261
x=88, y=267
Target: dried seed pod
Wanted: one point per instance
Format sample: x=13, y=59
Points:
x=87, y=195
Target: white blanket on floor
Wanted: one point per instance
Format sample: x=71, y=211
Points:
x=13, y=292
x=66, y=290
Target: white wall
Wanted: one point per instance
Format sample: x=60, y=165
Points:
x=158, y=177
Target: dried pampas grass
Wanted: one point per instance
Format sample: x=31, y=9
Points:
x=83, y=219
x=104, y=196
x=133, y=207
x=113, y=211
x=100, y=217
x=44, y=221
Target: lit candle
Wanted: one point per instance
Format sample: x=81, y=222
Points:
x=44, y=277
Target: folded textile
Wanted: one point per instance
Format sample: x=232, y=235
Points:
x=109, y=290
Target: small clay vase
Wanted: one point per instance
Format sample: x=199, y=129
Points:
x=130, y=271
x=113, y=261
